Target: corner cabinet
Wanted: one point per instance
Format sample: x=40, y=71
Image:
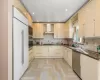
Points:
x=89, y=19
x=89, y=68
x=38, y=30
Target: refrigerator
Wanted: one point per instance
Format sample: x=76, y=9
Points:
x=20, y=44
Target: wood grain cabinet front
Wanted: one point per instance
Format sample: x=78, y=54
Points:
x=89, y=68
x=89, y=19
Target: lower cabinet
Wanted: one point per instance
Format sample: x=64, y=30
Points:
x=31, y=55
x=89, y=68
x=68, y=56
x=48, y=51
x=69, y=60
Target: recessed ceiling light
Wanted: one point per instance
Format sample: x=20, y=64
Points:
x=66, y=9
x=33, y=13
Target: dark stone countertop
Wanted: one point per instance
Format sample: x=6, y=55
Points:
x=90, y=54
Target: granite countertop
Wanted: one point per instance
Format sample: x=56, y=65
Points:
x=50, y=45
x=91, y=54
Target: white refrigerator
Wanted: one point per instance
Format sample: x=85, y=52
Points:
x=20, y=44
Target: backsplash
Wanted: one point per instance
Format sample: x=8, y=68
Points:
x=49, y=39
x=91, y=43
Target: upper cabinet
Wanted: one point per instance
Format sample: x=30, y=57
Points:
x=97, y=23
x=22, y=9
x=68, y=29
x=88, y=19
x=59, y=30
x=38, y=30
x=62, y=30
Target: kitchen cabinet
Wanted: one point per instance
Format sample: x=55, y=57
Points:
x=69, y=60
x=48, y=51
x=59, y=30
x=65, y=54
x=20, y=44
x=21, y=8
x=89, y=68
x=88, y=18
x=38, y=30
x=68, y=56
x=97, y=21
x=31, y=55
x=56, y=51
x=40, y=51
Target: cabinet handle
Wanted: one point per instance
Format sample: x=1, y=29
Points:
x=94, y=26
x=83, y=30
x=22, y=58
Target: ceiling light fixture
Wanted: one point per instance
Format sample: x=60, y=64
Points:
x=33, y=13
x=66, y=9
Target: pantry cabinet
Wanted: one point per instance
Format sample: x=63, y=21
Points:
x=38, y=30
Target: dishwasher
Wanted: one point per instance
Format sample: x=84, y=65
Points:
x=76, y=62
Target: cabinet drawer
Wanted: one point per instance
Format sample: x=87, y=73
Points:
x=38, y=54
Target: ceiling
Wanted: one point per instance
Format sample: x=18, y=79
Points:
x=52, y=10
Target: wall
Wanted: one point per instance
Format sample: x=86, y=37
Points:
x=5, y=41
x=49, y=39
x=92, y=43
x=4, y=9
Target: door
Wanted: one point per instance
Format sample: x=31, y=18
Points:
x=20, y=48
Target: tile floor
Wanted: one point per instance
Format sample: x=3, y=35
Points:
x=49, y=69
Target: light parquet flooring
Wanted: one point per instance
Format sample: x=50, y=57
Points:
x=49, y=69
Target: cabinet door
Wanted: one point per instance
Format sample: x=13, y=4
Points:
x=81, y=22
x=20, y=48
x=38, y=30
x=70, y=57
x=56, y=51
x=66, y=30
x=89, y=19
x=66, y=55
x=97, y=23
x=89, y=68
x=59, y=30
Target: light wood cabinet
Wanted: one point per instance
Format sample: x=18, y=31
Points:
x=31, y=55
x=38, y=30
x=68, y=56
x=97, y=21
x=89, y=68
x=69, y=60
x=48, y=51
x=59, y=30
x=88, y=18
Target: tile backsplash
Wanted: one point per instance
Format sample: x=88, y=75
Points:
x=91, y=43
x=49, y=39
